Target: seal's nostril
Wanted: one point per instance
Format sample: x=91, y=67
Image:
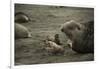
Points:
x=62, y=30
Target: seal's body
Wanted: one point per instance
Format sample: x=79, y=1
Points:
x=21, y=17
x=21, y=31
x=81, y=35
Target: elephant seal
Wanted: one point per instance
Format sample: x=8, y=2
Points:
x=81, y=35
x=21, y=31
x=21, y=17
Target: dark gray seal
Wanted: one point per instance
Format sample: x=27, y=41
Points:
x=81, y=34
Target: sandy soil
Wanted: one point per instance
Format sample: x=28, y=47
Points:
x=46, y=20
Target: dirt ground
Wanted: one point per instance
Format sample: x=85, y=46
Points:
x=46, y=20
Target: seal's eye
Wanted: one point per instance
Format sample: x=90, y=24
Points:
x=78, y=28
